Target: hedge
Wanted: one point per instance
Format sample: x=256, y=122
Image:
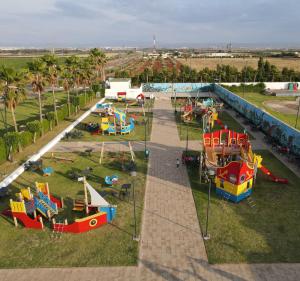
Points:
x=26, y=138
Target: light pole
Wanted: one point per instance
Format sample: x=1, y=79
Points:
x=187, y=138
x=175, y=102
x=133, y=175
x=211, y=175
x=297, y=113
x=146, y=152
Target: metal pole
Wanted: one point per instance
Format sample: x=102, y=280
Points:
x=134, y=210
x=207, y=237
x=145, y=121
x=200, y=167
x=187, y=138
x=297, y=113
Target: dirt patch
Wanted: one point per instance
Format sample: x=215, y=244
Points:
x=285, y=107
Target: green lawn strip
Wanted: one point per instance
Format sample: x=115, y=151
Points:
x=110, y=245
x=28, y=110
x=138, y=134
x=259, y=99
x=194, y=128
x=267, y=233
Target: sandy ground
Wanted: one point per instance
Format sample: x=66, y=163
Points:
x=285, y=107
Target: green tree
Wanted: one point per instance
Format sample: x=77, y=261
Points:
x=51, y=73
x=13, y=90
x=36, y=69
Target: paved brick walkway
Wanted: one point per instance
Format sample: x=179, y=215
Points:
x=171, y=245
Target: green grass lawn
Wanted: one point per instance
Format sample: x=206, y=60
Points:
x=28, y=110
x=109, y=245
x=20, y=62
x=267, y=233
x=138, y=134
x=259, y=99
x=194, y=128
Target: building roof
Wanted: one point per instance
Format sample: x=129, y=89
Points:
x=119, y=79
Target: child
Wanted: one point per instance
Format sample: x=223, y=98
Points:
x=177, y=163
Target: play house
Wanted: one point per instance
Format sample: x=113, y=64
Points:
x=230, y=154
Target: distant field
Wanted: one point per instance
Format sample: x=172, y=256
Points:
x=200, y=63
x=21, y=62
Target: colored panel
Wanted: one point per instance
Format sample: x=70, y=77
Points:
x=231, y=197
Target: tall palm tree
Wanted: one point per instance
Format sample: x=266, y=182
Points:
x=67, y=83
x=85, y=75
x=13, y=90
x=51, y=74
x=36, y=69
x=98, y=60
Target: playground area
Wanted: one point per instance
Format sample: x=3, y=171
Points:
x=193, y=128
x=261, y=229
x=111, y=244
x=141, y=123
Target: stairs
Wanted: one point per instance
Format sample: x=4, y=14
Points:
x=58, y=229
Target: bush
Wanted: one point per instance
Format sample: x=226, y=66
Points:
x=46, y=126
x=34, y=127
x=3, y=155
x=26, y=138
x=253, y=88
x=12, y=141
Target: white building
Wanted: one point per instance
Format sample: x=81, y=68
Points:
x=121, y=87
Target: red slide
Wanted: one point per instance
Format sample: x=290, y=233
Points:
x=220, y=123
x=24, y=219
x=273, y=177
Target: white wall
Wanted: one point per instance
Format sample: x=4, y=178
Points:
x=269, y=85
x=130, y=93
x=8, y=180
x=119, y=86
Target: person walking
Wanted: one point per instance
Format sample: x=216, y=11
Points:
x=177, y=163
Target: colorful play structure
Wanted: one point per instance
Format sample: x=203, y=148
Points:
x=31, y=207
x=207, y=109
x=119, y=124
x=230, y=155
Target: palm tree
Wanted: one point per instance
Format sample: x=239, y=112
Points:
x=52, y=77
x=67, y=83
x=98, y=60
x=36, y=70
x=13, y=90
x=85, y=74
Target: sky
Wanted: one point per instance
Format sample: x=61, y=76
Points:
x=190, y=23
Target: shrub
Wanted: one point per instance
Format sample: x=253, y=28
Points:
x=26, y=138
x=12, y=140
x=34, y=127
x=50, y=117
x=3, y=152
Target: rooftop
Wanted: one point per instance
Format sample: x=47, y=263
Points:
x=119, y=79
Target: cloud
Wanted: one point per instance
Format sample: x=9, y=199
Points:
x=124, y=22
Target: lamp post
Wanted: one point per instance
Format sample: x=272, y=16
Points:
x=211, y=175
x=175, y=102
x=133, y=175
x=297, y=113
x=187, y=138
x=146, y=152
